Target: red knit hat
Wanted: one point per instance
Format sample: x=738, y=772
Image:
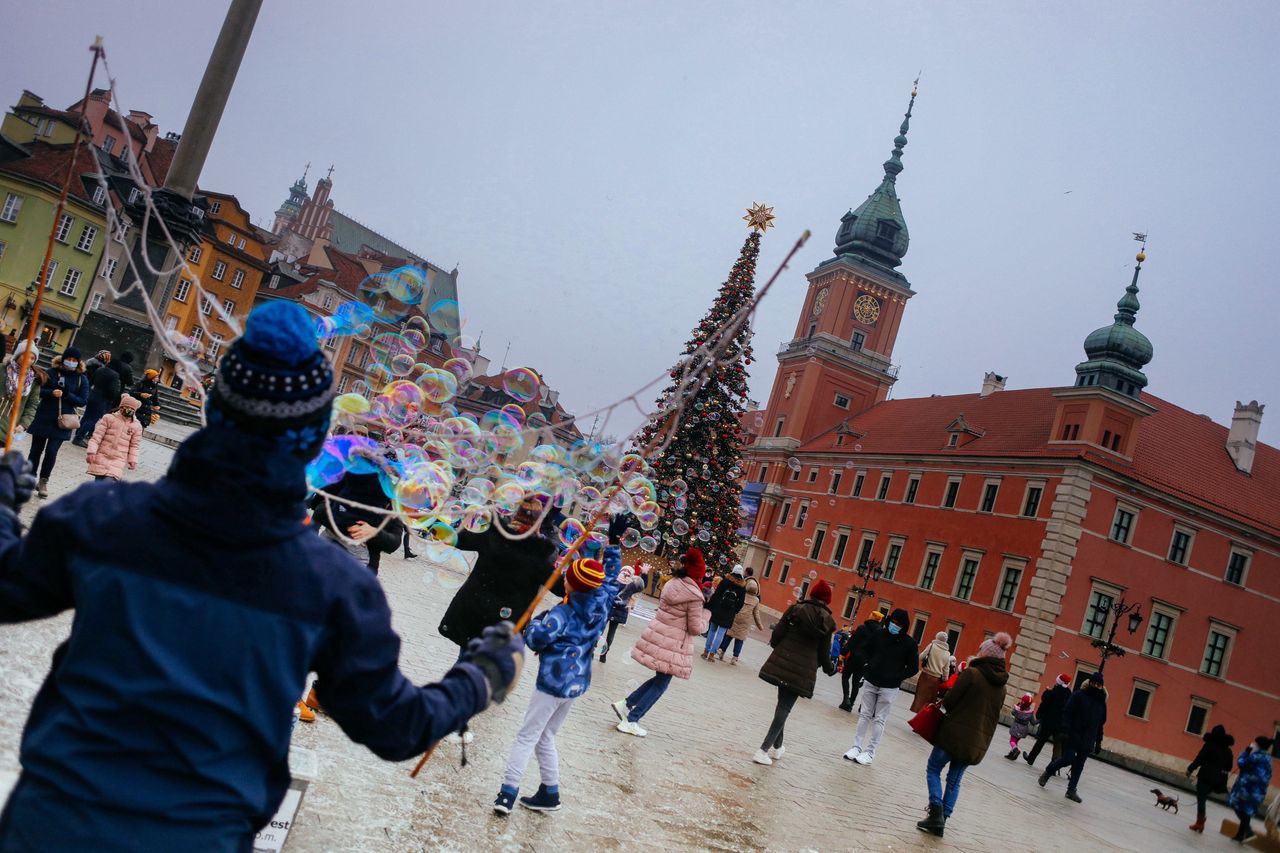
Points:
x=821, y=591
x=584, y=575
x=694, y=566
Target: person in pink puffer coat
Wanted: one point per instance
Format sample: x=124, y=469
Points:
x=666, y=646
x=115, y=442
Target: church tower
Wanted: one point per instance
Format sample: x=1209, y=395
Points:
x=840, y=361
x=289, y=210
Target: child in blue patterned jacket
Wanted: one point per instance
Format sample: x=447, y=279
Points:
x=564, y=639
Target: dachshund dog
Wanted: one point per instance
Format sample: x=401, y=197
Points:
x=1163, y=802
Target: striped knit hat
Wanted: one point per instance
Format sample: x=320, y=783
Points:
x=584, y=575
x=275, y=382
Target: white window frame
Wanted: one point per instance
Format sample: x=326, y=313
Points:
x=1026, y=498
x=12, y=208
x=170, y=323
x=70, y=281
x=240, y=244
x=237, y=279
x=197, y=333
x=63, y=231
x=109, y=268
x=1150, y=689
x=3, y=246
x=1163, y=609
x=838, y=397
x=194, y=255
x=231, y=238
x=108, y=144
x=205, y=303
x=99, y=196
x=215, y=207
x=215, y=346
x=1133, y=524
x=96, y=302
x=183, y=290
x=274, y=282
x=966, y=557
x=219, y=270
x=1228, y=631
x=1248, y=562
x=1190, y=533
x=53, y=270
x=88, y=234
x=327, y=302
x=229, y=306
x=958, y=482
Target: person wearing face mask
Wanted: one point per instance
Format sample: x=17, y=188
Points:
x=55, y=420
x=892, y=658
x=148, y=393
x=115, y=442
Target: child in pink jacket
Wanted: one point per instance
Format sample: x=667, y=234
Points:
x=666, y=646
x=115, y=442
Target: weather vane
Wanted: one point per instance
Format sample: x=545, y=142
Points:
x=1140, y=237
x=759, y=217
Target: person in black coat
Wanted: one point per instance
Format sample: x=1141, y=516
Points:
x=729, y=596
x=1082, y=724
x=148, y=392
x=373, y=538
x=66, y=390
x=1214, y=761
x=1053, y=704
x=124, y=366
x=854, y=652
x=104, y=396
x=507, y=575
x=892, y=658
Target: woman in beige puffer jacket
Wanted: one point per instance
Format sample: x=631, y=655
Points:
x=115, y=442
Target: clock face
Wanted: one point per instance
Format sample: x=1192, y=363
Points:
x=820, y=301
x=866, y=309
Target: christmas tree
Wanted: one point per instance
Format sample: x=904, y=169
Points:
x=694, y=439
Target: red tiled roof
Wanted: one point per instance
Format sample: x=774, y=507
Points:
x=160, y=158
x=48, y=164
x=1178, y=452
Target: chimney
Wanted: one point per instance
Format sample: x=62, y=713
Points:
x=991, y=383
x=1242, y=440
x=140, y=118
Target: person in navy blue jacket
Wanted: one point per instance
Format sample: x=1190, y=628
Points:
x=563, y=638
x=66, y=391
x=164, y=722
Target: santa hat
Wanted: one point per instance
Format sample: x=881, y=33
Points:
x=1025, y=700
x=584, y=575
x=820, y=591
x=694, y=565
x=1064, y=680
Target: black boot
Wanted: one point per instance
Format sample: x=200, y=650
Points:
x=1012, y=755
x=934, y=823
x=1073, y=796
x=1044, y=778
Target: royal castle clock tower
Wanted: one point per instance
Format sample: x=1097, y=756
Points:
x=840, y=361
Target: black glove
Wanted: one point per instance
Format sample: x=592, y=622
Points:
x=17, y=480
x=499, y=654
x=829, y=668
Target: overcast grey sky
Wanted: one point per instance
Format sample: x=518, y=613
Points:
x=586, y=164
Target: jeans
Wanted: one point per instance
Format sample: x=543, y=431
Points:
x=647, y=695
x=737, y=645
x=715, y=633
x=538, y=734
x=1073, y=757
x=786, y=701
x=933, y=777
x=93, y=412
x=874, y=704
x=48, y=448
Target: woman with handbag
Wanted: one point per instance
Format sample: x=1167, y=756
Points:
x=801, y=644
x=1214, y=761
x=56, y=418
x=972, y=709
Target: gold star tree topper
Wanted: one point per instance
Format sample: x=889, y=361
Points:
x=759, y=217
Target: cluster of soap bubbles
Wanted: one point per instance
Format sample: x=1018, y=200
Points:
x=448, y=464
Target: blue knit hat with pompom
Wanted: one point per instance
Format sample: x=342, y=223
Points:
x=274, y=381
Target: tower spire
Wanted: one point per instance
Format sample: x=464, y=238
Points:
x=1117, y=353
x=893, y=166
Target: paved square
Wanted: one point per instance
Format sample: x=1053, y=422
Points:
x=690, y=785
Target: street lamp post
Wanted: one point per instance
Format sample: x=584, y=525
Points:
x=869, y=570
x=1107, y=646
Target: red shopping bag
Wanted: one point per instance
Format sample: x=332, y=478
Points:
x=927, y=721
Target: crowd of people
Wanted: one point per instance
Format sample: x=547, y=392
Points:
x=164, y=719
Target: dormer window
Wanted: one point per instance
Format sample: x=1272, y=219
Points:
x=886, y=233
x=954, y=440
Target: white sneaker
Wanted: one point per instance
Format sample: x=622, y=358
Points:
x=777, y=752
x=853, y=753
x=620, y=708
x=629, y=728
x=761, y=758
x=468, y=736
x=864, y=758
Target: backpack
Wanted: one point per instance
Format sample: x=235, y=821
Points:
x=734, y=597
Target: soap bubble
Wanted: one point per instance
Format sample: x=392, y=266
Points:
x=521, y=383
x=444, y=317
x=630, y=538
x=678, y=488
x=793, y=463
x=704, y=535
x=407, y=284
x=505, y=613
x=679, y=527
x=649, y=543
x=570, y=530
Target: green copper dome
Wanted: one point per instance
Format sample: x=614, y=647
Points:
x=1117, y=353
x=876, y=230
